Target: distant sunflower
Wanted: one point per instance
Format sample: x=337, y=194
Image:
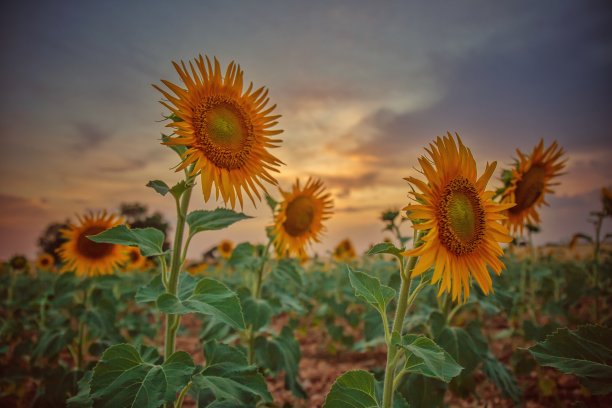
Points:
x=19, y=263
x=45, y=262
x=460, y=219
x=135, y=260
x=225, y=248
x=529, y=183
x=226, y=131
x=344, y=251
x=606, y=200
x=197, y=268
x=300, y=216
x=88, y=258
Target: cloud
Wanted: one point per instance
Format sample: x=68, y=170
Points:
x=88, y=136
x=346, y=183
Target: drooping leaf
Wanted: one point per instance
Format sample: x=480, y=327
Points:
x=458, y=343
x=204, y=220
x=425, y=357
x=422, y=391
x=149, y=240
x=209, y=297
x=385, y=248
x=370, y=289
x=272, y=203
x=82, y=398
x=257, y=312
x=287, y=270
x=281, y=353
x=160, y=186
x=122, y=378
x=356, y=389
x=503, y=378
x=585, y=353
x=228, y=376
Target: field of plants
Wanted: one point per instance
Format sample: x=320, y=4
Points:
x=454, y=306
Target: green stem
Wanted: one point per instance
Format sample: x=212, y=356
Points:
x=398, y=324
x=173, y=321
x=181, y=397
x=250, y=333
x=81, y=333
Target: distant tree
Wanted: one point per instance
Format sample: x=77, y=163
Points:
x=51, y=239
x=136, y=216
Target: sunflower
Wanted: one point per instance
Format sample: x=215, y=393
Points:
x=135, y=260
x=226, y=131
x=344, y=251
x=530, y=181
x=88, y=258
x=19, y=263
x=299, y=219
x=225, y=248
x=197, y=268
x=460, y=221
x=45, y=262
x=606, y=199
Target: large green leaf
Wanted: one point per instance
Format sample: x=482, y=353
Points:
x=458, y=343
x=425, y=357
x=204, y=220
x=356, y=389
x=228, y=376
x=257, y=312
x=155, y=288
x=281, y=353
x=371, y=290
x=422, y=391
x=82, y=398
x=209, y=297
x=149, y=240
x=288, y=270
x=585, y=352
x=122, y=378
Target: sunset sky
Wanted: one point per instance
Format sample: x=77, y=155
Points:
x=362, y=87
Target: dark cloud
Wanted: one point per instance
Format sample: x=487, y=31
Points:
x=125, y=166
x=346, y=183
x=88, y=136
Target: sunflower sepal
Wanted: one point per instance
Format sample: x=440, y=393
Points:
x=150, y=240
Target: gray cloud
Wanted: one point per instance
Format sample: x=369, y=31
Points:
x=88, y=136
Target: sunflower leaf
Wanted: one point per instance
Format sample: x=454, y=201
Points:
x=425, y=357
x=204, y=220
x=160, y=186
x=353, y=388
x=585, y=352
x=370, y=289
x=209, y=297
x=123, y=378
x=149, y=240
x=385, y=248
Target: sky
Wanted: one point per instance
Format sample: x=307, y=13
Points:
x=363, y=87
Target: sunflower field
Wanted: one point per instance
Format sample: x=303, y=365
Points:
x=458, y=308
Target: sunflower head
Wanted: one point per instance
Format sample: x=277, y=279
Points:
x=458, y=220
x=227, y=131
x=344, y=251
x=88, y=258
x=225, y=248
x=135, y=259
x=529, y=183
x=299, y=218
x=197, y=268
x=19, y=263
x=45, y=262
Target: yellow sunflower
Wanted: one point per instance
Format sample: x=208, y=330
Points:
x=344, y=251
x=225, y=248
x=197, y=268
x=460, y=221
x=530, y=181
x=88, y=258
x=227, y=132
x=45, y=262
x=135, y=260
x=299, y=219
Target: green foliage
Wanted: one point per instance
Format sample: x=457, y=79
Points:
x=585, y=352
x=149, y=240
x=125, y=378
x=425, y=357
x=370, y=290
x=385, y=248
x=204, y=220
x=353, y=389
x=209, y=297
x=228, y=377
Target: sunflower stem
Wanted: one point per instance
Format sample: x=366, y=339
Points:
x=398, y=324
x=172, y=320
x=250, y=332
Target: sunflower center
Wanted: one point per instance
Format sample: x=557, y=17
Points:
x=300, y=213
x=45, y=261
x=224, y=131
x=92, y=250
x=134, y=256
x=529, y=189
x=461, y=217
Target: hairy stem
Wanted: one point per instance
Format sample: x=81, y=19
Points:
x=250, y=332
